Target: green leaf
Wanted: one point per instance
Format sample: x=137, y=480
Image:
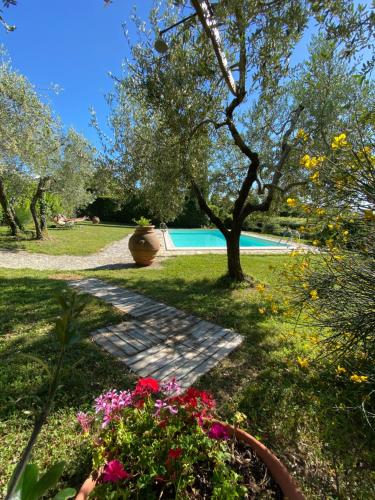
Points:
x=66, y=493
x=29, y=479
x=48, y=480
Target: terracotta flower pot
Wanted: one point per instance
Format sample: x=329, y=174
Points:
x=276, y=469
x=144, y=244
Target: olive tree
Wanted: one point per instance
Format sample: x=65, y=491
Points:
x=27, y=132
x=226, y=69
x=75, y=173
x=34, y=149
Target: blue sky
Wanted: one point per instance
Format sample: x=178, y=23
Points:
x=75, y=43
x=72, y=43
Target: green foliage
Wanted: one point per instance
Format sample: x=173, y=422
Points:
x=25, y=477
x=142, y=221
x=75, y=173
x=33, y=487
x=23, y=214
x=66, y=329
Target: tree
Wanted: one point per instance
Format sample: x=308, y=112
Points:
x=74, y=175
x=33, y=147
x=218, y=89
x=20, y=115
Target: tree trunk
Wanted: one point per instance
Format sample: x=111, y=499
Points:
x=43, y=213
x=39, y=232
x=235, y=271
x=8, y=211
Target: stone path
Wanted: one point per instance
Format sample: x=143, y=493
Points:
x=115, y=255
x=159, y=340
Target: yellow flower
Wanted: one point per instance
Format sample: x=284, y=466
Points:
x=260, y=287
x=301, y=134
x=239, y=417
x=274, y=308
x=305, y=161
x=345, y=233
x=262, y=310
x=306, y=209
x=320, y=211
x=311, y=162
x=316, y=243
x=338, y=257
x=291, y=202
x=339, y=141
x=302, y=362
x=305, y=286
x=331, y=227
x=314, y=295
x=340, y=370
x=358, y=379
x=314, y=339
x=314, y=177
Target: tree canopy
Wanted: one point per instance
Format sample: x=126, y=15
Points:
x=218, y=105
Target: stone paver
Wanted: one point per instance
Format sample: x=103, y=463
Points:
x=159, y=340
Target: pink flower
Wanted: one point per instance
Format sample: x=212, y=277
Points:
x=113, y=471
x=218, y=431
x=84, y=421
x=160, y=405
x=111, y=403
x=171, y=388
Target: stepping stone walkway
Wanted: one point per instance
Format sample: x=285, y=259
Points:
x=159, y=340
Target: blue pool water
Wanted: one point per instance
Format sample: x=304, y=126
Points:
x=212, y=238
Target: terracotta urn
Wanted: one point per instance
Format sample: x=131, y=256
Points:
x=277, y=469
x=144, y=244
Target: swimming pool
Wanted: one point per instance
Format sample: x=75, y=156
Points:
x=213, y=238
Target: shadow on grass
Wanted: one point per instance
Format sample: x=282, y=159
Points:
x=295, y=411
x=28, y=312
x=300, y=413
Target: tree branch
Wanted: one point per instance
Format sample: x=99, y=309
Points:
x=205, y=208
x=206, y=122
x=285, y=152
x=205, y=15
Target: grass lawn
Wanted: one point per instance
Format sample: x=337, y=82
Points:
x=83, y=239
x=295, y=411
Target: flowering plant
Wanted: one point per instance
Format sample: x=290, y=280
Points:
x=157, y=441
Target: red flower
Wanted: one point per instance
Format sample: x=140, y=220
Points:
x=146, y=386
x=174, y=453
x=113, y=471
x=192, y=398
